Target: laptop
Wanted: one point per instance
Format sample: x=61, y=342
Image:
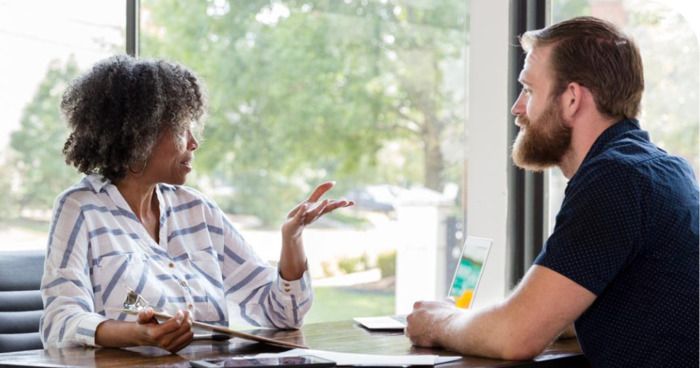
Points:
x=465, y=283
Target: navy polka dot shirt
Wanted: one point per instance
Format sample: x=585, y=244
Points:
x=628, y=232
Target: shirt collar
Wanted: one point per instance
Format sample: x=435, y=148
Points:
x=609, y=134
x=97, y=182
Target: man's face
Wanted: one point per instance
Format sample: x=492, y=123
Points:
x=544, y=137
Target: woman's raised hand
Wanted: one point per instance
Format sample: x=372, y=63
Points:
x=311, y=210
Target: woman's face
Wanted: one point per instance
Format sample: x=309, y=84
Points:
x=172, y=156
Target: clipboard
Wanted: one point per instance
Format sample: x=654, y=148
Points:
x=223, y=330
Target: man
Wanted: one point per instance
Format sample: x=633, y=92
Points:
x=622, y=262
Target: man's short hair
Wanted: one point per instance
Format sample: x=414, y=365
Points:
x=595, y=54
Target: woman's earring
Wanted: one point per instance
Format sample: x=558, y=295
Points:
x=143, y=167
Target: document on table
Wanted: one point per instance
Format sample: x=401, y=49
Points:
x=351, y=359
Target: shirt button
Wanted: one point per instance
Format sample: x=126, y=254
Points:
x=183, y=283
x=287, y=289
x=190, y=306
x=171, y=265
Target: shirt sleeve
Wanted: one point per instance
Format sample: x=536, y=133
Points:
x=598, y=228
x=263, y=297
x=69, y=317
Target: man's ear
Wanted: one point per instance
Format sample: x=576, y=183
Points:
x=571, y=101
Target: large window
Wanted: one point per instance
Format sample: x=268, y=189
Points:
x=44, y=45
x=370, y=94
x=671, y=58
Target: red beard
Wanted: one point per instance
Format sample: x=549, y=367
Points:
x=541, y=143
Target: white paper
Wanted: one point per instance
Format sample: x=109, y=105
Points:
x=380, y=323
x=367, y=359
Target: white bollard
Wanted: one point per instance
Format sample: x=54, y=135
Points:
x=420, y=258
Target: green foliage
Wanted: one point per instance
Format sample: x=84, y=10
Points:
x=672, y=88
x=9, y=209
x=353, y=264
x=359, y=92
x=38, y=143
x=387, y=264
x=565, y=9
x=317, y=94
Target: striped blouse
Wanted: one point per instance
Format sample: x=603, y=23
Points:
x=98, y=250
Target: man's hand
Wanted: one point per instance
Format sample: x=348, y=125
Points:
x=428, y=321
x=518, y=328
x=172, y=335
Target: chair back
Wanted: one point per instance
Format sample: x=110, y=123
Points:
x=20, y=299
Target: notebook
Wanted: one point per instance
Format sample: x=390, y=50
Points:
x=465, y=283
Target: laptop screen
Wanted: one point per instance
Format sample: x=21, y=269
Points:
x=469, y=270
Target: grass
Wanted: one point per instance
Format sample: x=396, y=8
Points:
x=336, y=303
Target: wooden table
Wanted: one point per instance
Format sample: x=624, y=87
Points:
x=343, y=336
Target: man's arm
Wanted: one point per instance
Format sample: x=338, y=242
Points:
x=540, y=308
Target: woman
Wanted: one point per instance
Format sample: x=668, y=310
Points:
x=131, y=225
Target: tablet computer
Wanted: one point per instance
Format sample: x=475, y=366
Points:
x=465, y=282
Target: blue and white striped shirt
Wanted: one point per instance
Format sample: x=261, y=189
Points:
x=98, y=250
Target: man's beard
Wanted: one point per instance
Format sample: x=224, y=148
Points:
x=543, y=142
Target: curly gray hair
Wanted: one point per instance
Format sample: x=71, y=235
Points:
x=118, y=109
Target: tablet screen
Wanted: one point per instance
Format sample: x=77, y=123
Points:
x=469, y=270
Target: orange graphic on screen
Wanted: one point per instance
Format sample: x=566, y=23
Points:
x=465, y=282
x=465, y=299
